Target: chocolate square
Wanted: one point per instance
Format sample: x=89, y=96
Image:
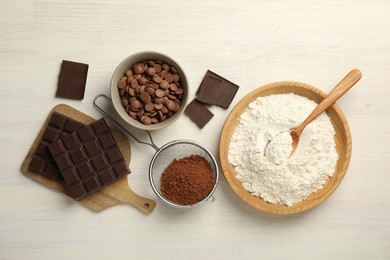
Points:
x=72, y=80
x=91, y=161
x=106, y=176
x=113, y=155
x=85, y=170
x=216, y=90
x=71, y=176
x=119, y=168
x=209, y=90
x=42, y=161
x=78, y=190
x=92, y=184
x=198, y=113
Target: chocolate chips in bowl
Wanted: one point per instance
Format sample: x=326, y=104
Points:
x=149, y=90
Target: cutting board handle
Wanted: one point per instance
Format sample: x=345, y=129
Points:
x=121, y=192
x=143, y=204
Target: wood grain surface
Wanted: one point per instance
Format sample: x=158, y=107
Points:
x=114, y=194
x=342, y=139
x=250, y=43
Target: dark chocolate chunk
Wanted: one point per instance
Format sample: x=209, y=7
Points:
x=198, y=113
x=216, y=90
x=42, y=161
x=209, y=90
x=89, y=159
x=72, y=80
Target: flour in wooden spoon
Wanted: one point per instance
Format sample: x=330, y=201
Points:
x=276, y=178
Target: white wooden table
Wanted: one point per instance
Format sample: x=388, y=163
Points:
x=252, y=43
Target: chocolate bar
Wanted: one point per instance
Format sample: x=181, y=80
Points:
x=42, y=162
x=216, y=90
x=72, y=80
x=89, y=159
x=209, y=90
x=198, y=113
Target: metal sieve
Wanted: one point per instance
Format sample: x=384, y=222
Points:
x=176, y=149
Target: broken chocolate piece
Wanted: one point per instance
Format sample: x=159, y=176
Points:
x=216, y=90
x=42, y=162
x=89, y=159
x=72, y=80
x=198, y=113
x=209, y=90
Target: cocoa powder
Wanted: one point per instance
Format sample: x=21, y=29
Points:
x=187, y=181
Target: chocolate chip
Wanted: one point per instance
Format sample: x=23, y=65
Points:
x=150, y=90
x=145, y=97
x=173, y=87
x=138, y=68
x=163, y=73
x=159, y=100
x=172, y=97
x=129, y=73
x=166, y=67
x=179, y=91
x=157, y=79
x=164, y=110
x=176, y=78
x=134, y=83
x=158, y=106
x=150, y=63
x=149, y=106
x=125, y=102
x=159, y=93
x=133, y=114
x=142, y=81
x=129, y=79
x=136, y=104
x=171, y=105
x=140, y=112
x=146, y=120
x=164, y=84
x=151, y=71
x=157, y=68
x=131, y=92
x=121, y=84
x=169, y=77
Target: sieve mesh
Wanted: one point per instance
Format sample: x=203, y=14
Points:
x=178, y=150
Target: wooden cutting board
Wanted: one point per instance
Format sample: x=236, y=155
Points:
x=116, y=193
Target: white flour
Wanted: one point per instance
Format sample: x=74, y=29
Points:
x=275, y=177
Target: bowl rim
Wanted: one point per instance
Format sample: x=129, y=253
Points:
x=114, y=89
x=185, y=141
x=228, y=170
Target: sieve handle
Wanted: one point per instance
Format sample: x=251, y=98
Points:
x=211, y=199
x=152, y=144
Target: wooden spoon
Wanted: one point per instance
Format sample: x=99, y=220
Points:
x=345, y=84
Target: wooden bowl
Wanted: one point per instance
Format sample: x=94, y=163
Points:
x=342, y=139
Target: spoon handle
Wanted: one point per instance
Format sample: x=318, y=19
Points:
x=345, y=84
